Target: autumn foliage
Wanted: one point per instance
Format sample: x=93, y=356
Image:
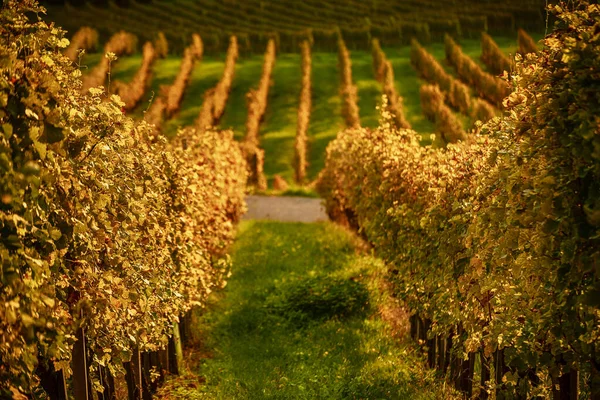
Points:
x=457, y=93
x=447, y=126
x=494, y=58
x=495, y=240
x=105, y=227
x=304, y=109
x=191, y=55
x=384, y=73
x=168, y=101
x=257, y=105
x=525, y=42
x=215, y=99
x=487, y=86
x=223, y=88
x=348, y=89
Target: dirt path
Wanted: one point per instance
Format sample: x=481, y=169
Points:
x=287, y=209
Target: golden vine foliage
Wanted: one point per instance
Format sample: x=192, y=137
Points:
x=384, y=73
x=482, y=110
x=493, y=57
x=104, y=226
x=224, y=86
x=215, y=99
x=161, y=45
x=168, y=101
x=487, y=86
x=257, y=105
x=348, y=89
x=176, y=90
x=447, y=126
x=85, y=38
x=394, y=99
x=257, y=98
x=458, y=94
x=131, y=93
x=156, y=112
x=304, y=109
x=205, y=117
x=525, y=42
x=379, y=59
x=120, y=43
x=498, y=236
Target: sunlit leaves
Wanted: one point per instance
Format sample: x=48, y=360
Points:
x=498, y=236
x=104, y=226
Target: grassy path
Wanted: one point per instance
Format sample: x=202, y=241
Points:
x=300, y=319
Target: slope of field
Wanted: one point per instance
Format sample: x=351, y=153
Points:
x=278, y=129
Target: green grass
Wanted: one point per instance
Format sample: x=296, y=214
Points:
x=125, y=67
x=89, y=61
x=278, y=131
x=326, y=117
x=369, y=90
x=293, y=324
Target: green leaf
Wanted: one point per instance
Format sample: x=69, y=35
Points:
x=8, y=130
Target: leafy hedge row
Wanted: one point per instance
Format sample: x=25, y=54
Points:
x=447, y=126
x=348, y=89
x=257, y=105
x=384, y=72
x=525, y=42
x=215, y=99
x=378, y=59
x=304, y=109
x=224, y=86
x=493, y=57
x=496, y=240
x=103, y=225
x=487, y=86
x=191, y=55
x=169, y=99
x=458, y=94
x=161, y=45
